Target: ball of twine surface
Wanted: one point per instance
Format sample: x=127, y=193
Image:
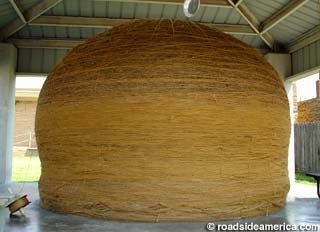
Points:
x=162, y=120
x=309, y=111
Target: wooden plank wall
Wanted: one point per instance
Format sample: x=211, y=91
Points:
x=307, y=147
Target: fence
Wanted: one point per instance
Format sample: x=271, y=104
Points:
x=25, y=140
x=307, y=147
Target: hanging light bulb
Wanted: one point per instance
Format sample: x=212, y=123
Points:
x=190, y=7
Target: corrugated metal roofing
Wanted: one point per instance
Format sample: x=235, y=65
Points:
x=26, y=4
x=306, y=58
x=7, y=12
x=252, y=40
x=39, y=60
x=57, y=32
x=286, y=31
x=129, y=10
x=295, y=25
x=301, y=21
x=41, y=32
x=263, y=9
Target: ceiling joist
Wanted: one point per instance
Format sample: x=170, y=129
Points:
x=280, y=15
x=46, y=43
x=56, y=43
x=29, y=15
x=307, y=38
x=210, y=3
x=238, y=3
x=33, y=16
x=39, y=9
x=246, y=13
x=69, y=21
x=18, y=8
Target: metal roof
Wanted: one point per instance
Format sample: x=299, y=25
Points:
x=263, y=9
x=39, y=60
x=131, y=10
x=306, y=58
x=43, y=32
x=7, y=13
x=302, y=20
x=286, y=22
x=26, y=4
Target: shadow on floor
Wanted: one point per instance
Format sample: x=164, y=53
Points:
x=297, y=211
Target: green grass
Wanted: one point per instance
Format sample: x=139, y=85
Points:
x=26, y=169
x=303, y=179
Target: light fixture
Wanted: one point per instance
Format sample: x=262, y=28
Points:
x=190, y=7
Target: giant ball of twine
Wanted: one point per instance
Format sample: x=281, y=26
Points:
x=162, y=120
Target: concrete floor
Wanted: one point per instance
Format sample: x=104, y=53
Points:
x=302, y=207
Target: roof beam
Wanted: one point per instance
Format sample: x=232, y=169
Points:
x=40, y=8
x=238, y=3
x=252, y=20
x=303, y=74
x=11, y=28
x=306, y=39
x=280, y=15
x=29, y=15
x=236, y=29
x=46, y=43
x=18, y=8
x=69, y=21
x=33, y=74
x=55, y=43
x=210, y=3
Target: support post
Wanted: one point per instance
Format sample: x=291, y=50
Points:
x=8, y=58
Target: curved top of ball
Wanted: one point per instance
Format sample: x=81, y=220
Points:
x=161, y=49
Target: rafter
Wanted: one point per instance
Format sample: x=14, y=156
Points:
x=280, y=15
x=46, y=43
x=40, y=8
x=18, y=8
x=11, y=28
x=56, y=43
x=252, y=20
x=306, y=39
x=210, y=3
x=303, y=74
x=68, y=21
x=235, y=29
x=238, y=3
x=29, y=15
